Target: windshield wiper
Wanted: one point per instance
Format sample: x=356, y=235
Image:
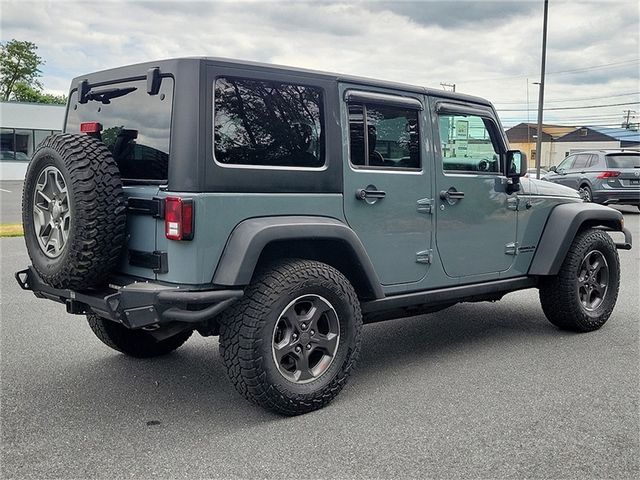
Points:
x=105, y=96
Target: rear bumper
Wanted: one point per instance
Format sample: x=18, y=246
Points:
x=629, y=196
x=137, y=304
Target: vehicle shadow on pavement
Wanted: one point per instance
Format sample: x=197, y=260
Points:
x=190, y=385
x=452, y=332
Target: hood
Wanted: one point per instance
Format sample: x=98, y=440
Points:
x=533, y=186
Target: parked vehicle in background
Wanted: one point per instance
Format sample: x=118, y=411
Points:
x=601, y=176
x=531, y=173
x=282, y=208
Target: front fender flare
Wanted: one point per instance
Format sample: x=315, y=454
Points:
x=250, y=237
x=564, y=222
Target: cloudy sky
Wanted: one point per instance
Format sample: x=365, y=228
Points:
x=487, y=48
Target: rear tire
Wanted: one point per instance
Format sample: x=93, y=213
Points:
x=134, y=343
x=583, y=294
x=290, y=344
x=73, y=211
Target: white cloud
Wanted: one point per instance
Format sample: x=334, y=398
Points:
x=413, y=42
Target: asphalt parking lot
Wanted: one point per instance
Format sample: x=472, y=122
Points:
x=479, y=390
x=10, y=201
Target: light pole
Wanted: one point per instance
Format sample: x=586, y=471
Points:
x=541, y=93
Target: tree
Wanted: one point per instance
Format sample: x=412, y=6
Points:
x=24, y=93
x=18, y=63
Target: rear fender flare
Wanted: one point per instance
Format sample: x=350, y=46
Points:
x=250, y=237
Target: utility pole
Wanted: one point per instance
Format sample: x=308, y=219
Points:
x=541, y=95
x=452, y=86
x=628, y=112
x=528, y=126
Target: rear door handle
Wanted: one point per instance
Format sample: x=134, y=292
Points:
x=364, y=193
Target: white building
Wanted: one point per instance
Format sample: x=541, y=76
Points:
x=22, y=127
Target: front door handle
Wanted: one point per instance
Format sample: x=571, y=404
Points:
x=451, y=196
x=370, y=192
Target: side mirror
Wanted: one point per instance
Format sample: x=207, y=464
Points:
x=552, y=169
x=516, y=165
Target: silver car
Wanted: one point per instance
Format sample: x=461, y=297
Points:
x=601, y=176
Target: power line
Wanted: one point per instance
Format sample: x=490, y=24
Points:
x=571, y=123
x=571, y=100
x=576, y=70
x=570, y=119
x=597, y=67
x=603, y=116
x=568, y=108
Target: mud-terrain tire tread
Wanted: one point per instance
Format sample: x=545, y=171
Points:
x=241, y=333
x=134, y=343
x=558, y=295
x=99, y=216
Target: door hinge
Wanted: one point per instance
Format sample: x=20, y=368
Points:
x=146, y=206
x=425, y=205
x=511, y=248
x=425, y=256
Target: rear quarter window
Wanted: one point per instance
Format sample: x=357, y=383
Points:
x=267, y=123
x=136, y=127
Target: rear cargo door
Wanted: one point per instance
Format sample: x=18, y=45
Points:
x=135, y=127
x=628, y=164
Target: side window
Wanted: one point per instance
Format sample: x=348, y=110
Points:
x=266, y=123
x=566, y=163
x=466, y=144
x=581, y=161
x=392, y=139
x=593, y=163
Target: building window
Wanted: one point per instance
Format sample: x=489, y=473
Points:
x=18, y=144
x=265, y=123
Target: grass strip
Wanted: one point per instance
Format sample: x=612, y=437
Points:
x=11, y=230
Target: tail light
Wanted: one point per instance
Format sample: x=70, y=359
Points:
x=90, y=127
x=178, y=218
x=609, y=174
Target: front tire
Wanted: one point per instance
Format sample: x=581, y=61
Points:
x=586, y=194
x=134, y=343
x=583, y=294
x=290, y=344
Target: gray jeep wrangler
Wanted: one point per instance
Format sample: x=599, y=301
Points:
x=282, y=208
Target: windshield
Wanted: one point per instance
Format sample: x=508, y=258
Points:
x=623, y=161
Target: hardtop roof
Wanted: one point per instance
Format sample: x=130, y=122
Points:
x=172, y=65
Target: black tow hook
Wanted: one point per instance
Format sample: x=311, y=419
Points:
x=22, y=277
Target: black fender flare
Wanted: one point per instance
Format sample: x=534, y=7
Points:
x=564, y=222
x=249, y=238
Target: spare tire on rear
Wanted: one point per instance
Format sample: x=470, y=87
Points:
x=73, y=211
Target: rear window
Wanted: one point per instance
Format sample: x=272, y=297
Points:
x=267, y=123
x=136, y=126
x=623, y=161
